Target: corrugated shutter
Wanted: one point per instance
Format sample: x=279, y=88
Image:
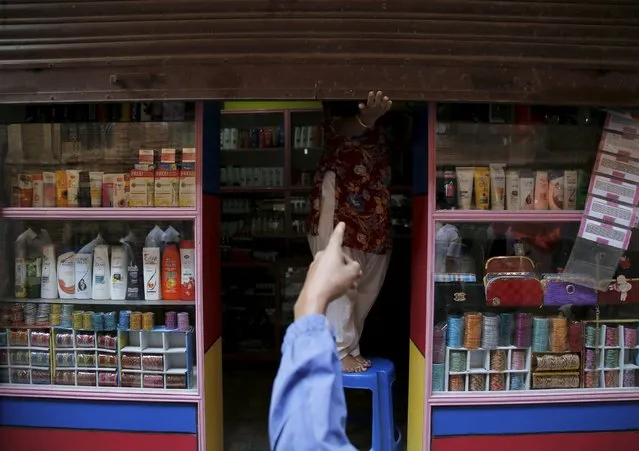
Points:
x=570, y=51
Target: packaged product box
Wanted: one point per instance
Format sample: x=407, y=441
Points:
x=120, y=191
x=48, y=182
x=167, y=160
x=187, y=188
x=146, y=157
x=166, y=188
x=38, y=190
x=61, y=189
x=188, y=158
x=25, y=184
x=142, y=188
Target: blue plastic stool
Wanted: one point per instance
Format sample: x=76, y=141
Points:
x=379, y=379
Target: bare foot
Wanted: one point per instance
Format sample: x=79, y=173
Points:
x=351, y=365
x=367, y=363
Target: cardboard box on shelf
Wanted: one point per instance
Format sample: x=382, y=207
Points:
x=142, y=188
x=187, y=192
x=166, y=188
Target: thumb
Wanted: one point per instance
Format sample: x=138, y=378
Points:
x=337, y=237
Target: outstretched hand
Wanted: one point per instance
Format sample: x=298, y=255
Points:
x=331, y=275
x=375, y=107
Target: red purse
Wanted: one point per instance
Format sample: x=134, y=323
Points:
x=509, y=264
x=513, y=290
x=620, y=291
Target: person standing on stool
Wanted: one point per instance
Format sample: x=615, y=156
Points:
x=351, y=186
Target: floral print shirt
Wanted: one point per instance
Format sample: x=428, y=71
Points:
x=362, y=197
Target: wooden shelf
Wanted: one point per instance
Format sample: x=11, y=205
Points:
x=134, y=214
x=507, y=216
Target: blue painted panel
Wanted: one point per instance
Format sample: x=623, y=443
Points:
x=420, y=152
x=212, y=122
x=113, y=416
x=486, y=420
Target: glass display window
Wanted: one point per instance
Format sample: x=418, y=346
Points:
x=515, y=158
x=510, y=313
x=100, y=263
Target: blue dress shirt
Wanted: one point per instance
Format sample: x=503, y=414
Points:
x=308, y=409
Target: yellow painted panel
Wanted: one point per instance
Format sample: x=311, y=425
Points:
x=271, y=105
x=416, y=382
x=213, y=397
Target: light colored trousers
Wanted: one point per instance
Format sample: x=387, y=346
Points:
x=346, y=315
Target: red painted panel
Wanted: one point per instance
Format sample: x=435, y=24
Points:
x=211, y=269
x=418, y=275
x=548, y=442
x=30, y=439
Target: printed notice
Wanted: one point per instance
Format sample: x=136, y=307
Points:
x=609, y=211
x=622, y=123
x=623, y=145
x=607, y=234
x=614, y=189
x=617, y=166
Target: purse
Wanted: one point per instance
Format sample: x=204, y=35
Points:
x=513, y=290
x=562, y=290
x=620, y=291
x=509, y=264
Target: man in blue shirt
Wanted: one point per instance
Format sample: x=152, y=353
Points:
x=308, y=409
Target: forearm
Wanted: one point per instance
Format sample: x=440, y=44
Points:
x=308, y=409
x=350, y=127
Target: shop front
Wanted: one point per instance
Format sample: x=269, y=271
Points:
x=112, y=135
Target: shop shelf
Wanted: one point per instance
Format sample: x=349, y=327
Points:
x=188, y=395
x=141, y=303
x=504, y=215
x=146, y=214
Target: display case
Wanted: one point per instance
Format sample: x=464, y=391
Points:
x=521, y=198
x=101, y=231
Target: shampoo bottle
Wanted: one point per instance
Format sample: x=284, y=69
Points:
x=21, y=257
x=101, y=273
x=49, y=282
x=84, y=269
x=66, y=275
x=151, y=265
x=119, y=266
x=171, y=270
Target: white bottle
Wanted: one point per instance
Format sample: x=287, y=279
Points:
x=49, y=281
x=151, y=268
x=66, y=275
x=101, y=273
x=119, y=264
x=83, y=276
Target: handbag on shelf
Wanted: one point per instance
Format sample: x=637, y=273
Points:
x=563, y=290
x=509, y=264
x=518, y=289
x=620, y=291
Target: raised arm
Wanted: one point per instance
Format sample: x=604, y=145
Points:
x=376, y=105
x=308, y=410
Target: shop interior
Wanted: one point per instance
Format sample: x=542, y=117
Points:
x=265, y=255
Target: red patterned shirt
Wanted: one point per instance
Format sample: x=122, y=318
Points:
x=362, y=198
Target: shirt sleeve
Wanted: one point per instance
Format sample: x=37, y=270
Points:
x=308, y=409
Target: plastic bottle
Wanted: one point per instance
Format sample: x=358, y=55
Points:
x=151, y=265
x=84, y=269
x=101, y=273
x=21, y=257
x=34, y=267
x=187, y=262
x=49, y=281
x=171, y=268
x=119, y=264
